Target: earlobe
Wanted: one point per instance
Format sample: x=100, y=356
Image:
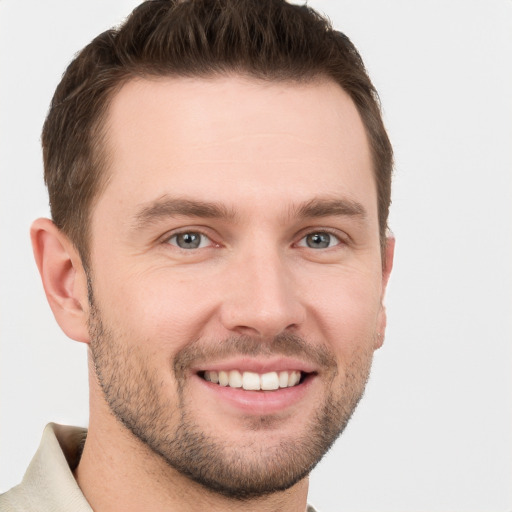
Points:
x=63, y=278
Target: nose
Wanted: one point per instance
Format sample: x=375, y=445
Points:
x=260, y=297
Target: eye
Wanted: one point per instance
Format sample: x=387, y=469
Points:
x=189, y=240
x=319, y=240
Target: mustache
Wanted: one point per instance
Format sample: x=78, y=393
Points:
x=285, y=344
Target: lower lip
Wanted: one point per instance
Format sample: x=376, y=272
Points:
x=258, y=402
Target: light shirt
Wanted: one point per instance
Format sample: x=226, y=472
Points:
x=49, y=484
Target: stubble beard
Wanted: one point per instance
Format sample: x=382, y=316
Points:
x=139, y=401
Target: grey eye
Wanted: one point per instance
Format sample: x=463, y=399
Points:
x=189, y=240
x=319, y=240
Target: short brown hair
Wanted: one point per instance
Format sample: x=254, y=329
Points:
x=265, y=39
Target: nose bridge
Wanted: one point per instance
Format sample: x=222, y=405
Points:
x=262, y=297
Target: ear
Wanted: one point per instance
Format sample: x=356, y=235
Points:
x=63, y=277
x=386, y=272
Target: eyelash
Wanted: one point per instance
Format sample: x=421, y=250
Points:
x=341, y=240
x=323, y=231
x=168, y=239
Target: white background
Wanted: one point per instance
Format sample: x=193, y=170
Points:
x=434, y=431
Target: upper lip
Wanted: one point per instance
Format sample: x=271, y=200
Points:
x=257, y=365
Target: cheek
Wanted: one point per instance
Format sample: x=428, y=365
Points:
x=348, y=312
x=154, y=308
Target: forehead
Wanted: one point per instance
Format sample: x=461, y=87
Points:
x=235, y=140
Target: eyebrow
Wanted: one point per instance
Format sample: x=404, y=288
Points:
x=166, y=207
x=319, y=207
x=171, y=207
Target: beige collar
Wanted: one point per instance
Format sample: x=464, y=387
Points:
x=49, y=484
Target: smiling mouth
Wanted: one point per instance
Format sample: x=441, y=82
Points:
x=252, y=381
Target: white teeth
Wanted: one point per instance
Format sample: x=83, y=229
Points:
x=293, y=378
x=252, y=381
x=212, y=376
x=235, y=379
x=269, y=381
x=223, y=378
x=283, y=379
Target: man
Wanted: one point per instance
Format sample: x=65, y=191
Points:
x=219, y=180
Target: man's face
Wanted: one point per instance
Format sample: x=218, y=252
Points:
x=236, y=275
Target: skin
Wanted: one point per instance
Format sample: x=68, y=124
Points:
x=261, y=153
